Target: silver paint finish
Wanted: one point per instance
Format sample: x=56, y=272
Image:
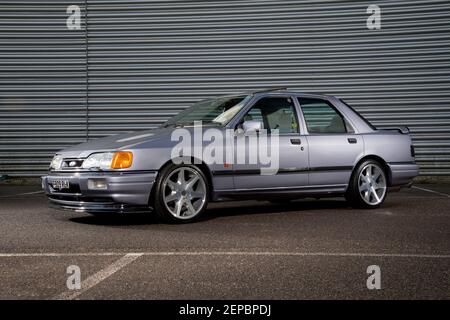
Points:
x=320, y=164
x=128, y=188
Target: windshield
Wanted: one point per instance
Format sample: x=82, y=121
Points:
x=219, y=111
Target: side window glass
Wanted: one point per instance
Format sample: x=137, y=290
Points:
x=254, y=114
x=321, y=117
x=275, y=113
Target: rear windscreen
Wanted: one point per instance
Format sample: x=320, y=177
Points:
x=362, y=118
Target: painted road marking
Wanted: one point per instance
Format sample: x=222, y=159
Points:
x=432, y=191
x=130, y=257
x=229, y=253
x=21, y=194
x=98, y=277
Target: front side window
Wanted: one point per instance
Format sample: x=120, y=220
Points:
x=321, y=117
x=274, y=113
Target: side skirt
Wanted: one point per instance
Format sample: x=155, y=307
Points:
x=264, y=194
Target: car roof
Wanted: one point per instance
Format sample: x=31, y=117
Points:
x=285, y=91
x=294, y=93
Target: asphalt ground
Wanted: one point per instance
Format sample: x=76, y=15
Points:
x=307, y=249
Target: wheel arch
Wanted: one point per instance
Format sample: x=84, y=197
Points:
x=380, y=160
x=185, y=160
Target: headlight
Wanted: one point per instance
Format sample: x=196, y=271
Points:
x=109, y=160
x=56, y=162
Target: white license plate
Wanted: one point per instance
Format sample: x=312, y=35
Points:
x=60, y=184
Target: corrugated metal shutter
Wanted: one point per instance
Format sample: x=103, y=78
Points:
x=42, y=84
x=149, y=59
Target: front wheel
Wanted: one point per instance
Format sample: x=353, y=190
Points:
x=182, y=193
x=368, y=185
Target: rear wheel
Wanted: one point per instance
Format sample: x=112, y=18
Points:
x=182, y=193
x=368, y=185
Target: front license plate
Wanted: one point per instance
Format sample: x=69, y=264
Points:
x=60, y=184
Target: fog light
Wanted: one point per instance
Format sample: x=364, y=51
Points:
x=97, y=184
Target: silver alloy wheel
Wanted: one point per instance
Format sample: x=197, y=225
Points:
x=184, y=192
x=372, y=184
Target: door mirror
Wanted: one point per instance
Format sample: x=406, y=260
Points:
x=252, y=126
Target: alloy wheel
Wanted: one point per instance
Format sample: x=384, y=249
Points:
x=184, y=192
x=372, y=184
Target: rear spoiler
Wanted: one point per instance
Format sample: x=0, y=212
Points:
x=403, y=130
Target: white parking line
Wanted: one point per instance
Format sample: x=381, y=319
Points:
x=21, y=194
x=231, y=253
x=60, y=254
x=432, y=191
x=300, y=254
x=98, y=277
x=130, y=257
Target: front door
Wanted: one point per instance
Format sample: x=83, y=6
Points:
x=289, y=153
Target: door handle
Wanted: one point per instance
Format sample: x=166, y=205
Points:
x=296, y=141
x=352, y=140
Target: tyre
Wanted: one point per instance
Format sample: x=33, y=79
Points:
x=182, y=193
x=368, y=185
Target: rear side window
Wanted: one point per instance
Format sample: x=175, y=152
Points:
x=321, y=117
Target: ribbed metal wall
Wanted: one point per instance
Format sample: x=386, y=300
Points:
x=147, y=60
x=42, y=84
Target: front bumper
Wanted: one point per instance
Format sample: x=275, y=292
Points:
x=125, y=191
x=401, y=174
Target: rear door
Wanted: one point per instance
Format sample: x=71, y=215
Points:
x=334, y=146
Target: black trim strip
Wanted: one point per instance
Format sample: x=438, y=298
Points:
x=281, y=170
x=401, y=163
x=335, y=168
x=257, y=171
x=224, y=173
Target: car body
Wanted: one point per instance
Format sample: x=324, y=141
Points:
x=325, y=149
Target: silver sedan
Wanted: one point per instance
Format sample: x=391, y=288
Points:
x=274, y=145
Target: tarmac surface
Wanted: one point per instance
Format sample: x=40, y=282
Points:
x=307, y=249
